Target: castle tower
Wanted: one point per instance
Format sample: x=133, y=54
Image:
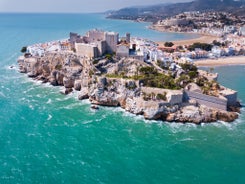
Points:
x=111, y=39
x=128, y=37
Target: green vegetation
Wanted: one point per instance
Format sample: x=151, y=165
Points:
x=96, y=61
x=58, y=67
x=203, y=46
x=117, y=75
x=164, y=66
x=180, y=48
x=188, y=67
x=215, y=42
x=148, y=70
x=150, y=77
x=91, y=72
x=192, y=74
x=162, y=96
x=130, y=85
x=168, y=44
x=208, y=87
x=108, y=56
x=146, y=97
x=23, y=49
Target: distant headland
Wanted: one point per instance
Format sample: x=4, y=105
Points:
x=134, y=73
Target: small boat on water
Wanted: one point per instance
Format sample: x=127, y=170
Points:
x=94, y=107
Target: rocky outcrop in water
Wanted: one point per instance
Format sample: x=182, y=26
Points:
x=80, y=74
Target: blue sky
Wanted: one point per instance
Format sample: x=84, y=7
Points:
x=73, y=6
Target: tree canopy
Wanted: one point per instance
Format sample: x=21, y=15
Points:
x=168, y=44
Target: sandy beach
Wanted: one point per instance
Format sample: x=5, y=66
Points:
x=236, y=60
x=202, y=39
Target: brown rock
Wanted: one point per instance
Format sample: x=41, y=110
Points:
x=68, y=82
x=83, y=94
x=227, y=116
x=77, y=85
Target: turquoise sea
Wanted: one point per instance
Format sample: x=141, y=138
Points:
x=46, y=137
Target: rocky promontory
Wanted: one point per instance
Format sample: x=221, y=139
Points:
x=112, y=81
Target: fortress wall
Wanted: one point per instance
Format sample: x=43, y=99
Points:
x=231, y=98
x=174, y=99
x=207, y=100
x=87, y=50
x=173, y=96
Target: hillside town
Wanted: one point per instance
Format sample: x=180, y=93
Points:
x=96, y=44
x=208, y=22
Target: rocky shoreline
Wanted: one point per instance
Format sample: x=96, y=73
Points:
x=80, y=74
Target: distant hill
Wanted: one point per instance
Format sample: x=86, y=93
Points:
x=156, y=12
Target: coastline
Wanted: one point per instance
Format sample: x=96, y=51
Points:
x=235, y=60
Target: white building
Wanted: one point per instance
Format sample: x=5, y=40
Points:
x=122, y=50
x=229, y=29
x=242, y=31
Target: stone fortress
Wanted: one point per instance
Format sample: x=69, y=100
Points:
x=97, y=43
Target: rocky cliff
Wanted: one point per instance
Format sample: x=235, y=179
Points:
x=78, y=73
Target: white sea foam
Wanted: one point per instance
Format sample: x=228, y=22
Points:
x=49, y=101
x=2, y=94
x=181, y=127
x=84, y=102
x=31, y=135
x=28, y=90
x=87, y=122
x=186, y=139
x=38, y=95
x=49, y=117
x=73, y=125
x=70, y=106
x=11, y=67
x=59, y=99
x=31, y=107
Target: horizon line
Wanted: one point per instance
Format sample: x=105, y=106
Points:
x=12, y=12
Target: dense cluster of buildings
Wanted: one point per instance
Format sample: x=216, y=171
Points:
x=98, y=43
x=213, y=23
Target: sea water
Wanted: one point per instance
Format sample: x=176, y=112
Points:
x=46, y=137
